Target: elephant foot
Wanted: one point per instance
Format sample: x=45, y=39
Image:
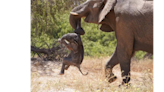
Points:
x=109, y=75
x=111, y=78
x=61, y=73
x=127, y=85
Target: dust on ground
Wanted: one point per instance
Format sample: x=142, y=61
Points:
x=45, y=78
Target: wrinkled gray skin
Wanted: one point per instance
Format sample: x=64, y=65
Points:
x=73, y=42
x=132, y=21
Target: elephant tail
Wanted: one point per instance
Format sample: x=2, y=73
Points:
x=81, y=71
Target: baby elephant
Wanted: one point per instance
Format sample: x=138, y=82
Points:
x=73, y=42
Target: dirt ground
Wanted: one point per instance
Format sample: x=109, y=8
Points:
x=45, y=78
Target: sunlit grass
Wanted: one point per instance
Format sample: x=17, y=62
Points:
x=73, y=81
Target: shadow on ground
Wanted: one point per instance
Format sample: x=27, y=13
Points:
x=44, y=68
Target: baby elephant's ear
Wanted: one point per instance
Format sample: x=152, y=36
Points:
x=79, y=31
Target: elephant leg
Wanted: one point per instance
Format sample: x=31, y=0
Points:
x=125, y=69
x=124, y=54
x=65, y=65
x=125, y=46
x=124, y=57
x=62, y=69
x=109, y=66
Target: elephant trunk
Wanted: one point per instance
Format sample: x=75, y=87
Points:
x=75, y=17
x=74, y=21
x=76, y=24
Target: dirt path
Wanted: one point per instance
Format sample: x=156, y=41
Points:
x=45, y=78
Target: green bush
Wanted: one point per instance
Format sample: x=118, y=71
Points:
x=139, y=54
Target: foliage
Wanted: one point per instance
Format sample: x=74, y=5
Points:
x=50, y=20
x=139, y=54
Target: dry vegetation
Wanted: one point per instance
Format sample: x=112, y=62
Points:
x=45, y=78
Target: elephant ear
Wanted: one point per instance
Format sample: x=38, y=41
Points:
x=108, y=6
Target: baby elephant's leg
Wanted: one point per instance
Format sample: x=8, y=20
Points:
x=62, y=69
x=66, y=63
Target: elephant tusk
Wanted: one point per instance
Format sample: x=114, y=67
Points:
x=67, y=41
x=74, y=13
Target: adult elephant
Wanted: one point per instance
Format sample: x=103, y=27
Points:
x=132, y=21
